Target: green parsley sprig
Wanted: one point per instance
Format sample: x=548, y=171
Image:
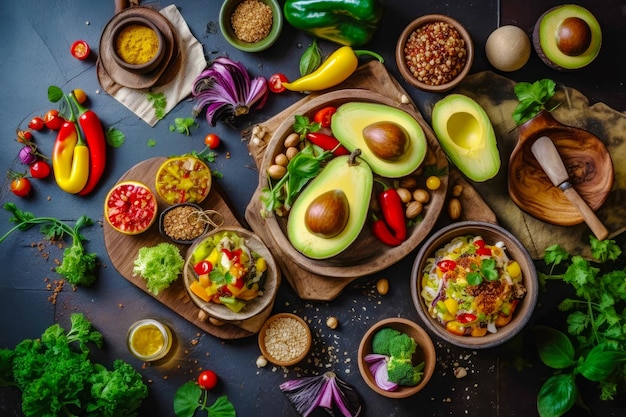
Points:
x=596, y=320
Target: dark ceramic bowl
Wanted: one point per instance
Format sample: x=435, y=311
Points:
x=191, y=221
x=492, y=234
x=400, y=54
x=148, y=66
x=228, y=32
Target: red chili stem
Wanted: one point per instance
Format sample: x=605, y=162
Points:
x=96, y=142
x=328, y=143
x=382, y=232
x=393, y=212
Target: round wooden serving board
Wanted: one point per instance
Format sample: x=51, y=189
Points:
x=122, y=250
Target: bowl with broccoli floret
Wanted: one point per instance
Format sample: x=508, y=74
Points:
x=396, y=358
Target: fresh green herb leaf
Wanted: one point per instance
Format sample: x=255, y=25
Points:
x=189, y=397
x=184, y=125
x=54, y=93
x=487, y=271
x=151, y=143
x=554, y=347
x=310, y=59
x=302, y=126
x=159, y=103
x=216, y=174
x=115, y=138
x=557, y=395
x=604, y=250
x=532, y=98
x=159, y=265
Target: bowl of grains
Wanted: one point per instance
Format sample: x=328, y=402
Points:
x=285, y=339
x=185, y=222
x=251, y=25
x=434, y=53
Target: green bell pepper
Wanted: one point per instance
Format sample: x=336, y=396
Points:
x=346, y=22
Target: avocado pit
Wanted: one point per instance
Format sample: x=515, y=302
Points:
x=573, y=36
x=327, y=215
x=386, y=140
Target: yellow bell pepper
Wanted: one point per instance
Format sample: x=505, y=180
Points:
x=334, y=70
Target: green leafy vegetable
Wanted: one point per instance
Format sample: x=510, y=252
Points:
x=115, y=138
x=159, y=265
x=302, y=126
x=184, y=125
x=78, y=266
x=189, y=397
x=151, y=143
x=57, y=380
x=488, y=270
x=159, y=103
x=596, y=319
x=532, y=98
x=310, y=59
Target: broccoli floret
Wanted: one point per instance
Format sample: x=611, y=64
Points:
x=402, y=371
x=381, y=341
x=402, y=346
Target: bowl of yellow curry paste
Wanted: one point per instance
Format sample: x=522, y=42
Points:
x=474, y=284
x=138, y=45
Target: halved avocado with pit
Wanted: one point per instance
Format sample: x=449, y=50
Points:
x=567, y=37
x=350, y=121
x=467, y=136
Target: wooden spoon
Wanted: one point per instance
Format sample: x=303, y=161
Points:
x=548, y=157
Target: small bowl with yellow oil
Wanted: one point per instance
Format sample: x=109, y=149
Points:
x=138, y=45
x=149, y=340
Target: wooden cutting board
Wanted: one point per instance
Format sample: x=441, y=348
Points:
x=122, y=250
x=308, y=285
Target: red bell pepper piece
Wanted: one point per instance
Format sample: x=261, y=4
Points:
x=96, y=142
x=328, y=143
x=393, y=212
x=203, y=267
x=382, y=232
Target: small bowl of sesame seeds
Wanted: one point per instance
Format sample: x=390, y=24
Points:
x=285, y=339
x=434, y=53
x=251, y=25
x=183, y=223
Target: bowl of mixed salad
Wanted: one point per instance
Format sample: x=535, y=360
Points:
x=231, y=275
x=474, y=284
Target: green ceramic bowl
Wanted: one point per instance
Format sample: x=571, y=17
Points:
x=226, y=27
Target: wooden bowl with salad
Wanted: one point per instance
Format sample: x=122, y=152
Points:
x=474, y=284
x=231, y=275
x=367, y=253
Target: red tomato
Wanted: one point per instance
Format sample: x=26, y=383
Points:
x=20, y=186
x=483, y=251
x=446, y=265
x=36, y=123
x=276, y=83
x=212, y=140
x=207, y=379
x=52, y=120
x=203, y=267
x=479, y=243
x=324, y=116
x=80, y=50
x=39, y=169
x=466, y=318
x=24, y=136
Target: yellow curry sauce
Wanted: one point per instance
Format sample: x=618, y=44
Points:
x=137, y=44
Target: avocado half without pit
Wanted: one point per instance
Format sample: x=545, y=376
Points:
x=567, y=37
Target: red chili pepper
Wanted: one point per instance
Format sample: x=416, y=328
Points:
x=393, y=212
x=328, y=143
x=203, y=267
x=96, y=142
x=479, y=243
x=483, y=251
x=382, y=232
x=466, y=318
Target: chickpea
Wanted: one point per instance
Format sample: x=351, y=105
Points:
x=281, y=159
x=292, y=140
x=421, y=195
x=291, y=152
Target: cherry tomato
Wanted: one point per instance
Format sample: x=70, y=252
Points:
x=212, y=140
x=276, y=81
x=36, y=123
x=483, y=251
x=203, y=267
x=433, y=182
x=39, y=169
x=80, y=95
x=466, y=318
x=446, y=265
x=80, y=50
x=479, y=243
x=52, y=120
x=24, y=136
x=207, y=379
x=21, y=186
x=324, y=116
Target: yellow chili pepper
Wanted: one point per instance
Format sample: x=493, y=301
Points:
x=334, y=70
x=70, y=159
